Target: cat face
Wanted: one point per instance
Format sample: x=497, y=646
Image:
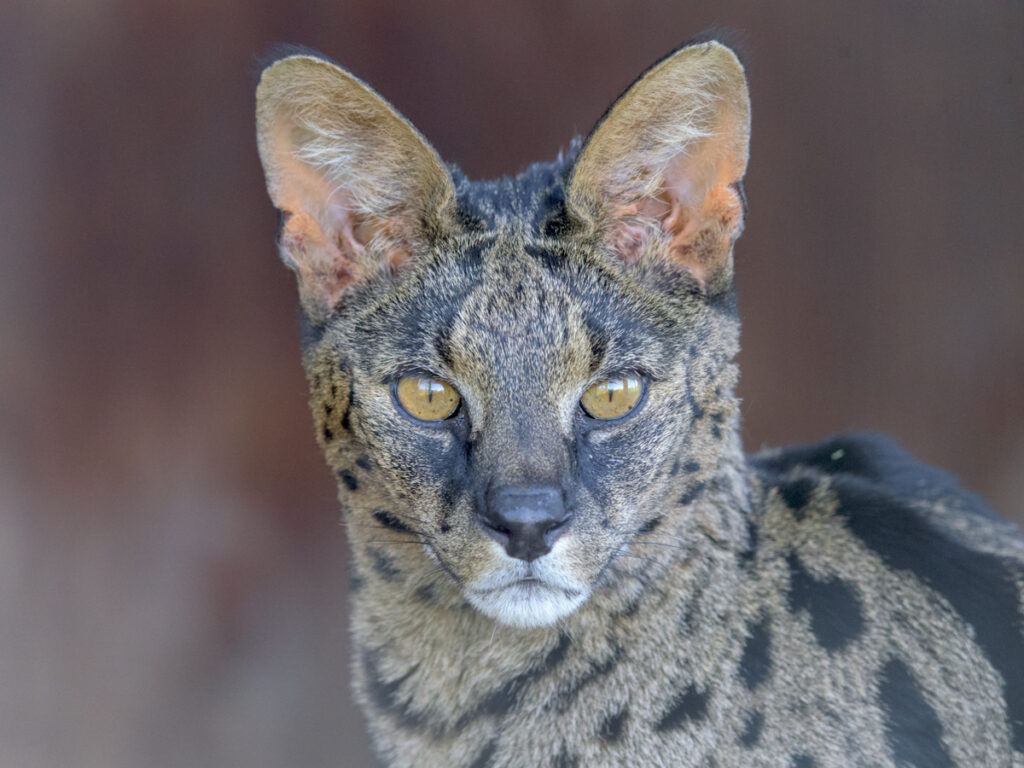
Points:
x=521, y=337
x=572, y=323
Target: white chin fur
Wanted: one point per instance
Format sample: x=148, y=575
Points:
x=527, y=605
x=528, y=595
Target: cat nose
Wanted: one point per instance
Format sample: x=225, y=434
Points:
x=525, y=520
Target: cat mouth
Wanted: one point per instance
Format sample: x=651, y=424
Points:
x=526, y=599
x=528, y=586
x=532, y=582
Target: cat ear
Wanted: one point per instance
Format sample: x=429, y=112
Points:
x=659, y=177
x=358, y=188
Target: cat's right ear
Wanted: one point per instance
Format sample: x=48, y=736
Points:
x=359, y=189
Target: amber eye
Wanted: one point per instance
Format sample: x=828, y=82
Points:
x=427, y=399
x=612, y=398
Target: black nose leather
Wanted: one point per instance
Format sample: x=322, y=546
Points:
x=526, y=521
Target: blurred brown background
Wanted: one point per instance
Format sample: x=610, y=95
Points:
x=172, y=588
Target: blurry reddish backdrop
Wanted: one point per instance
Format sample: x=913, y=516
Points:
x=172, y=576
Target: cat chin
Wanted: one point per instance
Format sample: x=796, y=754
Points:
x=528, y=605
x=528, y=595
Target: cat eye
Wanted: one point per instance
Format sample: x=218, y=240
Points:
x=613, y=397
x=427, y=399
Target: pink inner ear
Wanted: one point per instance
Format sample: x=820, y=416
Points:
x=329, y=262
x=357, y=234
x=323, y=268
x=698, y=208
x=341, y=224
x=704, y=241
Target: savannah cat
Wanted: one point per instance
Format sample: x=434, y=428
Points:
x=561, y=555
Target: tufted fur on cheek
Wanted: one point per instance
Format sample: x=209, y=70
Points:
x=358, y=188
x=659, y=177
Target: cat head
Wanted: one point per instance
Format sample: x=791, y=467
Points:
x=512, y=373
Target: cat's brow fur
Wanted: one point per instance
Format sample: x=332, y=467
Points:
x=828, y=605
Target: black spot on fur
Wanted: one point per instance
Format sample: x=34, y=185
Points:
x=649, y=526
x=797, y=493
x=752, y=729
x=631, y=607
x=560, y=224
x=691, y=466
x=912, y=728
x=836, y=617
x=345, y=424
x=506, y=698
x=310, y=333
x=384, y=694
x=363, y=463
x=803, y=761
x=756, y=662
x=328, y=434
x=980, y=587
x=449, y=490
x=566, y=759
x=383, y=565
x=691, y=494
x=355, y=581
x=425, y=594
x=689, y=706
x=565, y=698
x=486, y=755
x=698, y=409
x=348, y=479
x=611, y=727
x=388, y=520
x=753, y=537
x=689, y=620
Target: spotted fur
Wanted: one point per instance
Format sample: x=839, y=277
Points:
x=828, y=605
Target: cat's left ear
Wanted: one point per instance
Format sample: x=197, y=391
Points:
x=359, y=189
x=659, y=176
